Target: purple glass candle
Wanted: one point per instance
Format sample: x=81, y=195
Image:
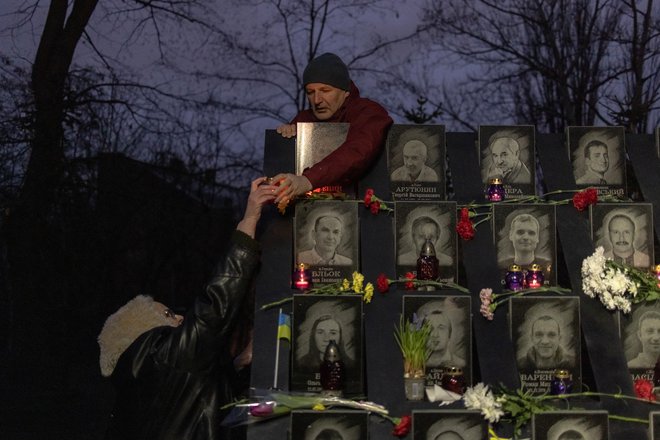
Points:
x=514, y=278
x=495, y=191
x=561, y=383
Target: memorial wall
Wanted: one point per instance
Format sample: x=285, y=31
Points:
x=424, y=177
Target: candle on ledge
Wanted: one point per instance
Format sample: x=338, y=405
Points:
x=514, y=278
x=495, y=191
x=301, y=278
x=534, y=277
x=561, y=383
x=656, y=272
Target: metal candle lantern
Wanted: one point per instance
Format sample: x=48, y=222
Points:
x=428, y=266
x=561, y=383
x=495, y=191
x=514, y=278
x=534, y=277
x=301, y=278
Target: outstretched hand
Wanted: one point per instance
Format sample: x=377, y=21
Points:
x=291, y=186
x=260, y=194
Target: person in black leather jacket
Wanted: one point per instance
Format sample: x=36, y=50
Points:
x=173, y=373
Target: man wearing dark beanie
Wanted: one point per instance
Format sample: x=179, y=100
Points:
x=333, y=97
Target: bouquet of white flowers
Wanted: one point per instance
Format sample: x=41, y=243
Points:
x=617, y=285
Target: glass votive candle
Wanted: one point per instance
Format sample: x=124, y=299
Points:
x=495, y=191
x=453, y=380
x=514, y=278
x=656, y=272
x=561, y=383
x=301, y=278
x=534, y=277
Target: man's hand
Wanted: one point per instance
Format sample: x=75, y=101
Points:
x=259, y=196
x=287, y=130
x=290, y=186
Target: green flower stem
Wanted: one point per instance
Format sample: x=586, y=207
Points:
x=596, y=394
x=482, y=220
x=627, y=419
x=277, y=303
x=422, y=283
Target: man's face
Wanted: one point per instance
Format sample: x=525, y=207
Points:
x=622, y=235
x=503, y=158
x=424, y=232
x=570, y=435
x=598, y=159
x=524, y=235
x=325, y=331
x=324, y=99
x=649, y=335
x=440, y=331
x=327, y=234
x=449, y=435
x=545, y=337
x=414, y=157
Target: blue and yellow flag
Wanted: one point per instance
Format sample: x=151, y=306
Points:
x=284, y=327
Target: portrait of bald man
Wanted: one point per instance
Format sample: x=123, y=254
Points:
x=416, y=154
x=506, y=152
x=597, y=155
x=625, y=231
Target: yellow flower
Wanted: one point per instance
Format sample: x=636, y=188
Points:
x=345, y=285
x=358, y=280
x=318, y=407
x=368, y=293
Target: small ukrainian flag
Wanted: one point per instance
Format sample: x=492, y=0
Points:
x=284, y=327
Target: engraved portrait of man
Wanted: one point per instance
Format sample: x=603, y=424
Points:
x=625, y=232
x=424, y=228
x=597, y=155
x=447, y=339
x=329, y=425
x=525, y=236
x=326, y=233
x=640, y=335
x=545, y=333
x=414, y=168
x=507, y=153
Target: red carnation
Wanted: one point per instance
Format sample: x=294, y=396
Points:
x=367, y=196
x=403, y=427
x=375, y=207
x=582, y=199
x=410, y=285
x=382, y=283
x=644, y=389
x=465, y=228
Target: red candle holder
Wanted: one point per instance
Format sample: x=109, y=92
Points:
x=534, y=277
x=301, y=278
x=495, y=191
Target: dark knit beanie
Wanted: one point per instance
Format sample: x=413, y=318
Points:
x=327, y=69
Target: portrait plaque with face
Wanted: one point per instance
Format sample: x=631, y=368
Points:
x=570, y=425
x=315, y=141
x=507, y=152
x=451, y=338
x=598, y=158
x=417, y=222
x=625, y=231
x=524, y=235
x=654, y=425
x=448, y=425
x=329, y=424
x=640, y=335
x=318, y=319
x=326, y=237
x=545, y=332
x=416, y=162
